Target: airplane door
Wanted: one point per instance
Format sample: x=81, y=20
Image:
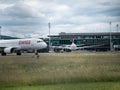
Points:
x=32, y=44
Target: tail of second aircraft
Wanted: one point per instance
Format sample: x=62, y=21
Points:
x=72, y=39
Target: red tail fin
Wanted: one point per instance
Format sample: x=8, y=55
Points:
x=73, y=39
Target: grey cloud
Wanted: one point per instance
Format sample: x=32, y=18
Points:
x=112, y=11
x=9, y=1
x=21, y=14
x=66, y=15
x=19, y=10
x=107, y=8
x=20, y=19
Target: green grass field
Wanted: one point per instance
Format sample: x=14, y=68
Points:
x=73, y=71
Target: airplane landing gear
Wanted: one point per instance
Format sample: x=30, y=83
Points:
x=36, y=52
x=18, y=53
x=3, y=54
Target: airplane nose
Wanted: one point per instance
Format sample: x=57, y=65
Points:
x=45, y=45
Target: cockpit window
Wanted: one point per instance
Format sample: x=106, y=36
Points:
x=39, y=41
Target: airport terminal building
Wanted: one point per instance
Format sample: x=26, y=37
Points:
x=87, y=39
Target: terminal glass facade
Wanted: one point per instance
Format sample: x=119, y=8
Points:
x=87, y=39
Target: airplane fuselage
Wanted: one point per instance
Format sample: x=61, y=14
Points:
x=22, y=44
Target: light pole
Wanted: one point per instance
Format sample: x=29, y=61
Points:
x=110, y=37
x=0, y=33
x=117, y=27
x=49, y=34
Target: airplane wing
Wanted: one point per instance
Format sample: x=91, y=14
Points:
x=91, y=46
x=79, y=47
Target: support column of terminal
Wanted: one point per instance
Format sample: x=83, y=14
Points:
x=0, y=33
x=110, y=37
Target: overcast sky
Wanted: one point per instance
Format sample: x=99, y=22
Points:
x=29, y=18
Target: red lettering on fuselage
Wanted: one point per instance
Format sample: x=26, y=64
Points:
x=24, y=42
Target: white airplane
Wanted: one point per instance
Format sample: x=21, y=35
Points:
x=16, y=45
x=73, y=46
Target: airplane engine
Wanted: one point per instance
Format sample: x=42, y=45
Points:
x=8, y=50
